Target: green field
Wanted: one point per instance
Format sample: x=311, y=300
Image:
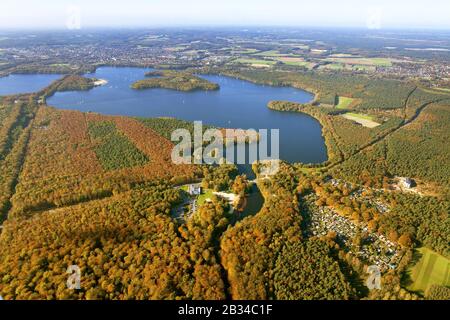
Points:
x=343, y=55
x=361, y=67
x=443, y=89
x=344, y=102
x=201, y=199
x=270, y=53
x=430, y=269
x=360, y=116
x=333, y=66
x=206, y=194
x=363, y=119
x=295, y=61
x=348, y=67
x=378, y=62
x=255, y=62
x=299, y=63
x=382, y=62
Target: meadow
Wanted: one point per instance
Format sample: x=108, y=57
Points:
x=347, y=67
x=362, y=119
x=255, y=62
x=206, y=194
x=344, y=102
x=378, y=62
x=270, y=53
x=430, y=269
x=296, y=61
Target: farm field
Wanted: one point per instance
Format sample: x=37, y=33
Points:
x=270, y=53
x=443, y=89
x=344, y=102
x=343, y=55
x=432, y=268
x=296, y=61
x=362, y=119
x=378, y=62
x=256, y=62
x=362, y=67
x=333, y=66
x=348, y=67
x=301, y=46
x=244, y=50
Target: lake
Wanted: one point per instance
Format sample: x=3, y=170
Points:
x=238, y=104
x=25, y=83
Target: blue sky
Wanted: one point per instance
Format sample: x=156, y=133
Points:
x=135, y=13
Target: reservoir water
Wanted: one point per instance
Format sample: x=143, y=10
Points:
x=238, y=104
x=25, y=83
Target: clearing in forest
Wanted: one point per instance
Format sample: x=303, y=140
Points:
x=362, y=119
x=344, y=102
x=431, y=268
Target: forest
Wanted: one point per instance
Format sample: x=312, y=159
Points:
x=343, y=137
x=412, y=141
x=15, y=135
x=126, y=246
x=65, y=164
x=418, y=150
x=113, y=149
x=165, y=126
x=99, y=191
x=374, y=93
x=175, y=80
x=76, y=83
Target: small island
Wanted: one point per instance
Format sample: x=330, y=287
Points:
x=174, y=80
x=284, y=106
x=79, y=83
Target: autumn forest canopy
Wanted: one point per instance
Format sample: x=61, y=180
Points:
x=101, y=191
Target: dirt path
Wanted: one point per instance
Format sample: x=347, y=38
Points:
x=388, y=133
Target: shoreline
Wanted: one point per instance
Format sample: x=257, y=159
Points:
x=100, y=82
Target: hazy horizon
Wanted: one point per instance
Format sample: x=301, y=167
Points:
x=84, y=14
